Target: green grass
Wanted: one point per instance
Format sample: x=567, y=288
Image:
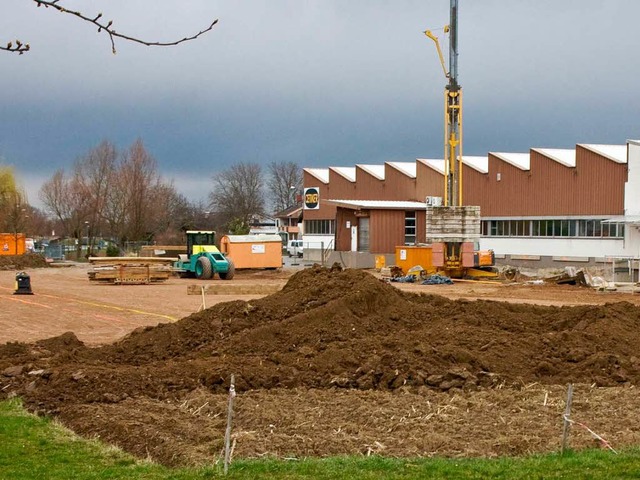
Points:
x=38, y=448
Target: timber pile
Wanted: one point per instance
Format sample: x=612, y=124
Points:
x=162, y=250
x=130, y=270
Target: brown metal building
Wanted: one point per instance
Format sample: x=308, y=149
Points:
x=554, y=183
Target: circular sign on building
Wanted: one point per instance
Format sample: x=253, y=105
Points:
x=312, y=198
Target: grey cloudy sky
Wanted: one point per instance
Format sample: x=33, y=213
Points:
x=322, y=83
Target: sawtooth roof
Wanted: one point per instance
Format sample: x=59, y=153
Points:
x=379, y=204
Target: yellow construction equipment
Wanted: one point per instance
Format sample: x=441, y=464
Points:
x=453, y=228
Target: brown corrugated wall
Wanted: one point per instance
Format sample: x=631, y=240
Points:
x=386, y=230
x=398, y=186
x=368, y=186
x=595, y=186
x=428, y=182
x=343, y=234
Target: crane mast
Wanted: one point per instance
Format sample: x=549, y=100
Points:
x=452, y=113
x=454, y=228
x=453, y=119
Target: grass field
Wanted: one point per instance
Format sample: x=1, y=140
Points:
x=38, y=448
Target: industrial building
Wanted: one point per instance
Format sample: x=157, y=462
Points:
x=545, y=207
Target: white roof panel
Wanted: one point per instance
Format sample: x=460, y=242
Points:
x=379, y=204
x=321, y=174
x=347, y=172
x=481, y=164
x=565, y=156
x=616, y=153
x=408, y=168
x=520, y=160
x=256, y=238
x=434, y=163
x=375, y=170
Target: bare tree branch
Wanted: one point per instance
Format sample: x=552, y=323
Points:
x=20, y=48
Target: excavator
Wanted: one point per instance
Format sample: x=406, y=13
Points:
x=453, y=228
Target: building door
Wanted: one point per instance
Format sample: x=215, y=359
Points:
x=354, y=239
x=363, y=236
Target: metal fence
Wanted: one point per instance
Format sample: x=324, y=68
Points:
x=55, y=252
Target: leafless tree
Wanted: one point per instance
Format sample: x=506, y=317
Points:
x=95, y=173
x=139, y=183
x=103, y=26
x=69, y=199
x=16, y=214
x=237, y=193
x=285, y=182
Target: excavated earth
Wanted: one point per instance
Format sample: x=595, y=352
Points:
x=20, y=262
x=340, y=363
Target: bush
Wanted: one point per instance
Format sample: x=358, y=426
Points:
x=112, y=250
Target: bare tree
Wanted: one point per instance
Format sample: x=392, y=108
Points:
x=103, y=26
x=69, y=199
x=285, y=182
x=16, y=215
x=237, y=193
x=95, y=173
x=140, y=183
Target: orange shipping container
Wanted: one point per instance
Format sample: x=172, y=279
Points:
x=12, y=243
x=253, y=251
x=409, y=256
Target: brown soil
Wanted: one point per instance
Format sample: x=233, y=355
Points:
x=339, y=362
x=20, y=262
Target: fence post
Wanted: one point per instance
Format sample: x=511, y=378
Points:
x=566, y=423
x=227, y=434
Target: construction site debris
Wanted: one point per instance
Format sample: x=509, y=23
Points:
x=22, y=262
x=437, y=279
x=340, y=351
x=130, y=270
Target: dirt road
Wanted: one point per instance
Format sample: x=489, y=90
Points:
x=65, y=300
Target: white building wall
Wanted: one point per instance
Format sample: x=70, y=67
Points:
x=632, y=187
x=318, y=242
x=556, y=247
x=632, y=199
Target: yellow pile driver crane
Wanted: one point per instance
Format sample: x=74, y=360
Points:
x=453, y=228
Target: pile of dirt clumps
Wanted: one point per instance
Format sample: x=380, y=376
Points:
x=325, y=330
x=21, y=262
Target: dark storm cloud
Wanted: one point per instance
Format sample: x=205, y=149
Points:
x=318, y=82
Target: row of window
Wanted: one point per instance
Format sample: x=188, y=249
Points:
x=551, y=228
x=319, y=227
x=501, y=228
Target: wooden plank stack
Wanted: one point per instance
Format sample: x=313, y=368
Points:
x=130, y=270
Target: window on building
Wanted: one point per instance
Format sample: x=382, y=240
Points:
x=319, y=227
x=409, y=228
x=552, y=228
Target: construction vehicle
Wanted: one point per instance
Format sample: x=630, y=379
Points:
x=453, y=229
x=203, y=259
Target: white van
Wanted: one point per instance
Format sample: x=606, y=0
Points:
x=294, y=248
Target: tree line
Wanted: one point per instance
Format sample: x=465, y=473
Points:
x=121, y=196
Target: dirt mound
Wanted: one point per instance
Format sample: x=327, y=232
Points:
x=326, y=330
x=21, y=262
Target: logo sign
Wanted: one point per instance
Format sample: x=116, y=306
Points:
x=312, y=198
